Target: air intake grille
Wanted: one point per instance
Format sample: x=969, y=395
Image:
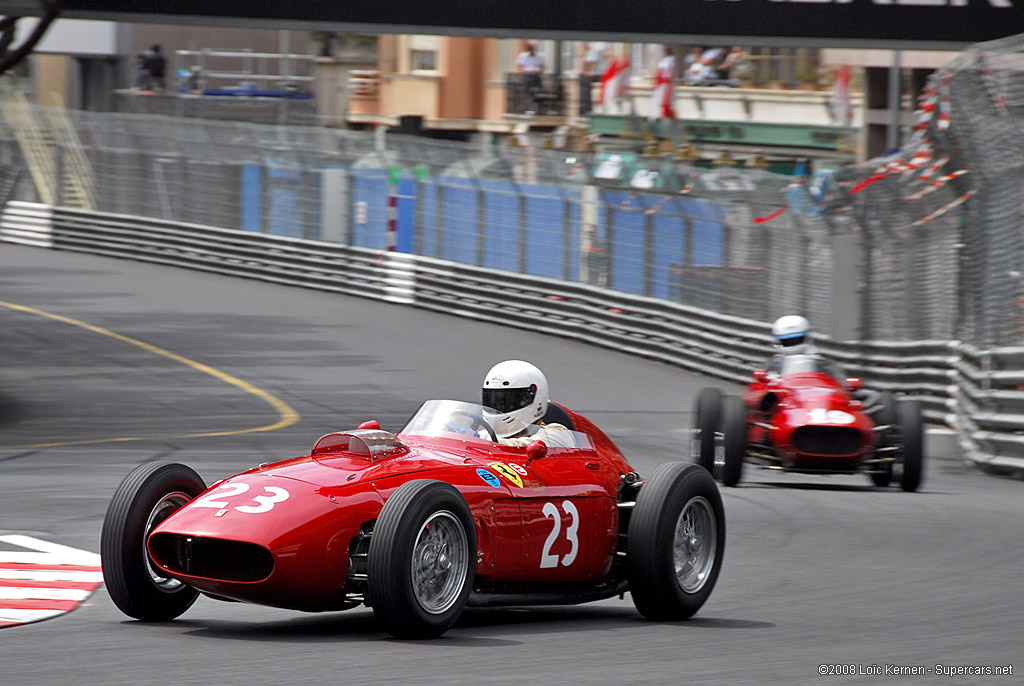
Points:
x=827, y=440
x=212, y=558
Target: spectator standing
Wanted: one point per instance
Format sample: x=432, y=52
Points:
x=730, y=63
x=155, y=65
x=142, y=70
x=530, y=64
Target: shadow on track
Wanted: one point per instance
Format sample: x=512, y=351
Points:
x=476, y=627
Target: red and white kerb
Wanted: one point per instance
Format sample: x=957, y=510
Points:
x=40, y=580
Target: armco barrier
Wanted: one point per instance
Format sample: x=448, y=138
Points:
x=978, y=393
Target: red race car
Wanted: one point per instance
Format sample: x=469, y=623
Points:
x=418, y=526
x=802, y=415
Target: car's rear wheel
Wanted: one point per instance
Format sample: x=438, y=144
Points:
x=675, y=542
x=148, y=495
x=422, y=559
x=911, y=426
x=734, y=439
x=885, y=416
x=707, y=413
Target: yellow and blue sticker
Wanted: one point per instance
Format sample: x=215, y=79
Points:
x=488, y=477
x=507, y=472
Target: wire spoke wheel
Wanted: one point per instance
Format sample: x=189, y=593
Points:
x=695, y=544
x=440, y=562
x=675, y=542
x=422, y=559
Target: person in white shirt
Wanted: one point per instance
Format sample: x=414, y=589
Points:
x=519, y=391
x=530, y=64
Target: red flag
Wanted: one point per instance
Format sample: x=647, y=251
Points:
x=613, y=81
x=664, y=87
x=839, y=101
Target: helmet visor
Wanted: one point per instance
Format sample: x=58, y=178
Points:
x=791, y=340
x=509, y=399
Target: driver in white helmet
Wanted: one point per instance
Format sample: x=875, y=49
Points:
x=791, y=334
x=519, y=390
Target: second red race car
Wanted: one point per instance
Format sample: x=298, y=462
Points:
x=803, y=415
x=418, y=526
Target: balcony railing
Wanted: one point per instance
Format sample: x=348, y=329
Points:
x=541, y=94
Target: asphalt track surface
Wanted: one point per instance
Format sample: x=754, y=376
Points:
x=817, y=571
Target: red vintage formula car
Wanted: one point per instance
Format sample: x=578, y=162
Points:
x=802, y=415
x=418, y=526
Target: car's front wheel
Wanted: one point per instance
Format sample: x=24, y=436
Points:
x=422, y=559
x=734, y=439
x=885, y=416
x=675, y=542
x=148, y=495
x=707, y=412
x=911, y=426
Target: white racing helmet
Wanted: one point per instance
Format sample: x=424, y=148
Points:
x=791, y=330
x=517, y=388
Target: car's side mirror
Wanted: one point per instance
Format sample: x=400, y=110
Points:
x=761, y=375
x=536, y=450
x=371, y=424
x=854, y=384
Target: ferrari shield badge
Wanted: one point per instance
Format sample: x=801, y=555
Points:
x=508, y=473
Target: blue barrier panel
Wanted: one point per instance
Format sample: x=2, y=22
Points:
x=627, y=234
x=252, y=198
x=284, y=212
x=546, y=231
x=460, y=233
x=707, y=223
x=502, y=242
x=574, y=236
x=668, y=243
x=370, y=186
x=700, y=283
x=406, y=213
x=427, y=214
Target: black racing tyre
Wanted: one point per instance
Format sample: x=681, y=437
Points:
x=885, y=415
x=675, y=542
x=148, y=495
x=734, y=439
x=422, y=559
x=707, y=412
x=911, y=426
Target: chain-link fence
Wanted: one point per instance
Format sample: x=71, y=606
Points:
x=693, y=235
x=943, y=218
x=923, y=245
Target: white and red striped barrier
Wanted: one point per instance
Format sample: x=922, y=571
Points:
x=936, y=184
x=945, y=208
x=41, y=580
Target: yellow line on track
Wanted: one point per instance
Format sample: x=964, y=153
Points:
x=288, y=416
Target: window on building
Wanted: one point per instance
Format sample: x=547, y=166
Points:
x=423, y=52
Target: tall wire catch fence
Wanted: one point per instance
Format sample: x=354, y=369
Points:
x=924, y=245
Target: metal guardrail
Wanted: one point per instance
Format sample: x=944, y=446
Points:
x=978, y=393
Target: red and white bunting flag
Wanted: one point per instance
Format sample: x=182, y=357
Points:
x=613, y=81
x=944, y=101
x=839, y=100
x=942, y=210
x=936, y=184
x=664, y=89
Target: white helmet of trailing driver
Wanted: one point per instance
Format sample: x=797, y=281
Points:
x=791, y=330
x=517, y=388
